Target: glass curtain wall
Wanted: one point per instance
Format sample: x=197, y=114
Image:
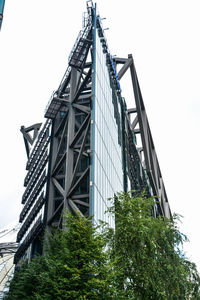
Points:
x=106, y=168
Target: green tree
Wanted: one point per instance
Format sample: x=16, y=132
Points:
x=147, y=253
x=75, y=266
x=141, y=259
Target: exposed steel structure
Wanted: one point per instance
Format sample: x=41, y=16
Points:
x=87, y=149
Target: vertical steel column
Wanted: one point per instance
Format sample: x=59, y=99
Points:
x=70, y=134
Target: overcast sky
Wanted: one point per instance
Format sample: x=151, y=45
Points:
x=163, y=36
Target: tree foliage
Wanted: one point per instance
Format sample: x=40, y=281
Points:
x=147, y=253
x=75, y=267
x=141, y=259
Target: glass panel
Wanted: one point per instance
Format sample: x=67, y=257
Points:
x=107, y=160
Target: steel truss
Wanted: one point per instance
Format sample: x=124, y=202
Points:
x=28, y=140
x=150, y=161
x=70, y=148
x=69, y=160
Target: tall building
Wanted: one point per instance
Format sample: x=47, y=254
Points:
x=8, y=247
x=91, y=146
x=2, y=3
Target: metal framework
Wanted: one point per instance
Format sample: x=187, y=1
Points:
x=70, y=165
x=28, y=139
x=140, y=126
x=69, y=170
x=35, y=181
x=70, y=148
x=64, y=169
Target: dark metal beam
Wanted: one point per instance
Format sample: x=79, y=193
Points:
x=119, y=60
x=125, y=68
x=28, y=140
x=82, y=108
x=74, y=207
x=78, y=182
x=80, y=131
x=80, y=152
x=83, y=84
x=58, y=186
x=81, y=203
x=57, y=211
x=151, y=161
x=131, y=110
x=59, y=164
x=134, y=123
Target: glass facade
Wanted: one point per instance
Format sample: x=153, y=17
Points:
x=107, y=171
x=2, y=3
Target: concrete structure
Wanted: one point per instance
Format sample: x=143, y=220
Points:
x=91, y=146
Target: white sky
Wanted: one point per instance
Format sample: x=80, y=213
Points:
x=163, y=36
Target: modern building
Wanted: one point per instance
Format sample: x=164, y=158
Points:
x=91, y=146
x=8, y=247
x=2, y=3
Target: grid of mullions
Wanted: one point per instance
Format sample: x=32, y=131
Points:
x=108, y=174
